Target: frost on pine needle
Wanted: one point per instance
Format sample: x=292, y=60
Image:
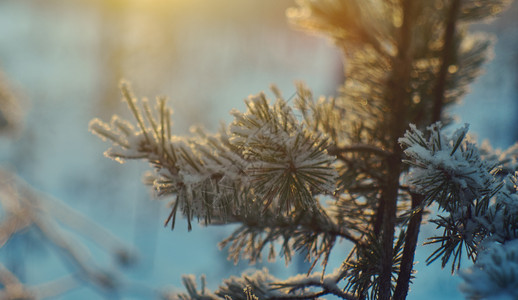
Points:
x=286, y=163
x=265, y=160
x=260, y=284
x=495, y=273
x=447, y=169
x=472, y=186
x=249, y=286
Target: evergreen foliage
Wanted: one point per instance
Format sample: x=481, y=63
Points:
x=271, y=171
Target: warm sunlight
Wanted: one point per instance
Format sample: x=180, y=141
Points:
x=167, y=6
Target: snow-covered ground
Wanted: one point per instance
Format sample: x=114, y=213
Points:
x=66, y=58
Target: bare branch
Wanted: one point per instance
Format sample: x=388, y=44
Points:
x=328, y=283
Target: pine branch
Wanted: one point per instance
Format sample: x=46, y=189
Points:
x=328, y=284
x=495, y=274
x=311, y=233
x=449, y=170
x=362, y=268
x=261, y=285
x=306, y=296
x=265, y=160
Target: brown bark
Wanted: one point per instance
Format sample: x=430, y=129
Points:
x=398, y=100
x=407, y=261
x=414, y=225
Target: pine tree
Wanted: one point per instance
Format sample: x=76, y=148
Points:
x=367, y=166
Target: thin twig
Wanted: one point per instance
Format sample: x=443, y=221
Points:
x=299, y=297
x=328, y=285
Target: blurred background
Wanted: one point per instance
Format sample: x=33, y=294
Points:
x=61, y=62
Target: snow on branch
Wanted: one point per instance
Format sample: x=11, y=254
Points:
x=480, y=202
x=259, y=284
x=287, y=163
x=249, y=286
x=495, y=273
x=447, y=169
x=265, y=160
